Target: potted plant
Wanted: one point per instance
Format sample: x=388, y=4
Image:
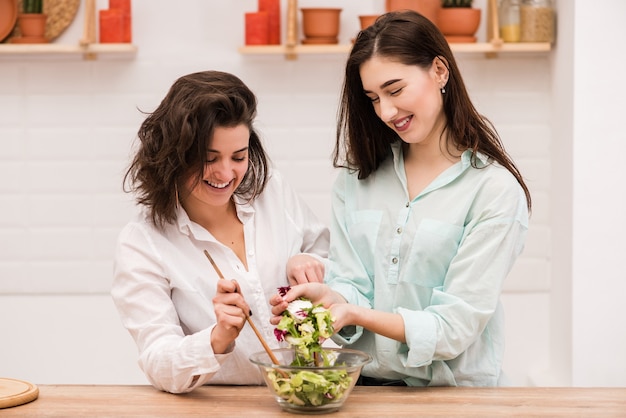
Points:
x=32, y=6
x=458, y=20
x=32, y=21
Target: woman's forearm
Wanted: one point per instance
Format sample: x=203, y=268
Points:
x=388, y=324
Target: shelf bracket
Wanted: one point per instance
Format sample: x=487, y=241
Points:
x=292, y=29
x=89, y=30
x=493, y=28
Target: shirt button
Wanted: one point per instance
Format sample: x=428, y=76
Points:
x=394, y=260
x=399, y=230
x=251, y=253
x=407, y=204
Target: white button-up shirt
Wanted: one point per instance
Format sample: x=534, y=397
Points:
x=163, y=286
x=439, y=260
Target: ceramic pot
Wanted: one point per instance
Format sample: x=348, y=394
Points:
x=367, y=20
x=320, y=25
x=32, y=24
x=428, y=8
x=32, y=28
x=459, y=24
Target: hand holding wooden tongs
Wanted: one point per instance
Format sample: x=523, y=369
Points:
x=267, y=348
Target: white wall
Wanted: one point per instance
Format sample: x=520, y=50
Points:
x=599, y=196
x=588, y=329
x=65, y=134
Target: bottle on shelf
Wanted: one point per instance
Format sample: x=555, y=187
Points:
x=509, y=19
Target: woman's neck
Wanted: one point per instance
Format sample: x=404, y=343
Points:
x=224, y=224
x=212, y=217
x=423, y=162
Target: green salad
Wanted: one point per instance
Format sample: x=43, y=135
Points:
x=305, y=326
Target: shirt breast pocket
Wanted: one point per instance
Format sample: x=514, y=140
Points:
x=434, y=246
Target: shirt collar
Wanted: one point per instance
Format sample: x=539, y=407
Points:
x=466, y=157
x=444, y=178
x=245, y=211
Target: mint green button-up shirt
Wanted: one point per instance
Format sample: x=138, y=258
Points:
x=438, y=260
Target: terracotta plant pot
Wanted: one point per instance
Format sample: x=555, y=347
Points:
x=428, y=8
x=321, y=25
x=459, y=24
x=32, y=28
x=367, y=20
x=32, y=24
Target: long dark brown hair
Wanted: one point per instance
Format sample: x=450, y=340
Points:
x=173, y=141
x=363, y=139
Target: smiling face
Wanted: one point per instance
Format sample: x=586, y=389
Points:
x=407, y=97
x=225, y=168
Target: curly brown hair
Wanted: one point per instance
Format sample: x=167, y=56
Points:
x=363, y=140
x=173, y=141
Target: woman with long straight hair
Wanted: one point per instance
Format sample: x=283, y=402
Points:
x=429, y=215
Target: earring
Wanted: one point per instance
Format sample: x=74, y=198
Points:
x=177, y=206
x=443, y=90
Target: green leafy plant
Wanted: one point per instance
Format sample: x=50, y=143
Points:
x=456, y=3
x=32, y=6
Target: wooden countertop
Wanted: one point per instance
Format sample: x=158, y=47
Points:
x=255, y=401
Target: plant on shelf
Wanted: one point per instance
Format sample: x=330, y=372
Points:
x=458, y=20
x=456, y=3
x=32, y=22
x=32, y=6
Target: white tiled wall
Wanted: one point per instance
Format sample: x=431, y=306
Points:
x=66, y=130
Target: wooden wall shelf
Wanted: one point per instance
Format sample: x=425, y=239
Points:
x=87, y=45
x=491, y=49
x=470, y=48
x=90, y=51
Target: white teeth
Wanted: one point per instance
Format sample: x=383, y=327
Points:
x=401, y=124
x=218, y=185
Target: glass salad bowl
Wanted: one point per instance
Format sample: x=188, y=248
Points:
x=311, y=389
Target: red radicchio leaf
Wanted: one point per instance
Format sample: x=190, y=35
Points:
x=280, y=335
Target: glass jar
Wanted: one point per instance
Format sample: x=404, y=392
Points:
x=509, y=17
x=537, y=21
